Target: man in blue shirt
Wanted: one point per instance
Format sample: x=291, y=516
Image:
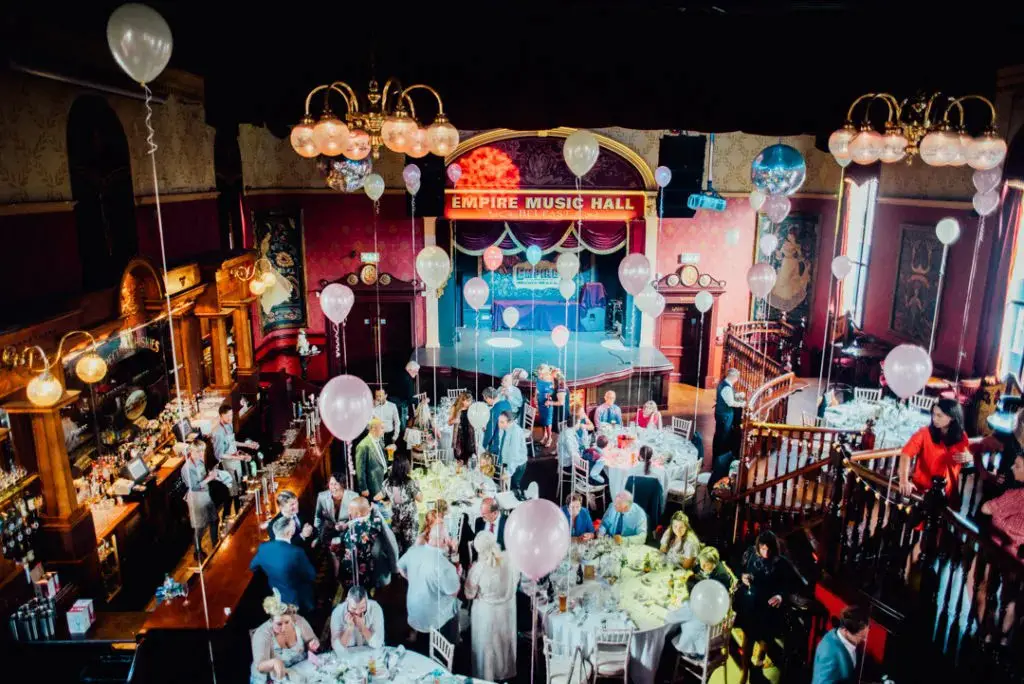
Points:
x=607, y=413
x=625, y=521
x=511, y=451
x=499, y=405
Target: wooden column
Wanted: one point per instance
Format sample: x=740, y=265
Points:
x=188, y=347
x=219, y=348
x=245, y=358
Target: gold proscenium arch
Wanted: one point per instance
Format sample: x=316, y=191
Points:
x=613, y=146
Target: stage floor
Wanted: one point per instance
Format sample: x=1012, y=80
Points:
x=600, y=356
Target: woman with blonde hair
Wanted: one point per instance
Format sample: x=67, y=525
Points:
x=463, y=435
x=280, y=642
x=680, y=542
x=649, y=417
x=544, y=397
x=491, y=582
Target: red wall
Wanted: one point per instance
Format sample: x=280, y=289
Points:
x=190, y=229
x=826, y=211
x=42, y=261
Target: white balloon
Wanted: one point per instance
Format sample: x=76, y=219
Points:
x=769, y=243
x=662, y=176
x=479, y=415
x=580, y=151
x=709, y=601
x=732, y=237
x=140, y=41
x=650, y=301
x=985, y=202
x=560, y=336
x=374, y=186
x=703, y=301
x=947, y=230
x=433, y=266
x=841, y=266
x=566, y=288
x=510, y=316
x=567, y=265
x=756, y=199
x=476, y=291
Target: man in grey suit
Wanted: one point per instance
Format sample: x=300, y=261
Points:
x=511, y=450
x=836, y=658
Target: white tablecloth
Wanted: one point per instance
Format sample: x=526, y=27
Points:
x=671, y=454
x=894, y=424
x=353, y=661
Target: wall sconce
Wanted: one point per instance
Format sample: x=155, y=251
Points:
x=260, y=276
x=45, y=389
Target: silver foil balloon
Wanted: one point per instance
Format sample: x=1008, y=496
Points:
x=778, y=170
x=346, y=175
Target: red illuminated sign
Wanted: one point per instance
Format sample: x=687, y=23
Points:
x=543, y=205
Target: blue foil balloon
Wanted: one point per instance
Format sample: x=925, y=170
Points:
x=778, y=170
x=533, y=255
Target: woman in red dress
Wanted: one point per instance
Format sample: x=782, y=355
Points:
x=941, y=449
x=648, y=416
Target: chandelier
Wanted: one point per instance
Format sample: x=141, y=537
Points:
x=260, y=275
x=46, y=389
x=913, y=127
x=389, y=119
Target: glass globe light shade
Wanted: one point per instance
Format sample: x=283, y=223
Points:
x=963, y=140
x=442, y=137
x=986, y=152
x=91, y=368
x=894, y=146
x=358, y=144
x=839, y=142
x=418, y=147
x=866, y=147
x=947, y=147
x=929, y=148
x=397, y=131
x=44, y=389
x=269, y=279
x=302, y=138
x=257, y=287
x=330, y=135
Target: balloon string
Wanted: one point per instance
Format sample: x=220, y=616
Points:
x=415, y=305
x=579, y=299
x=344, y=346
x=337, y=340
x=828, y=294
x=378, y=341
x=700, y=352
x=970, y=289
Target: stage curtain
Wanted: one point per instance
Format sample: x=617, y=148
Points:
x=1000, y=266
x=551, y=236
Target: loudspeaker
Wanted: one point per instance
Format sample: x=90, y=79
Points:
x=684, y=157
x=430, y=198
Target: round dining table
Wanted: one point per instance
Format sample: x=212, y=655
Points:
x=895, y=423
x=672, y=453
x=351, y=666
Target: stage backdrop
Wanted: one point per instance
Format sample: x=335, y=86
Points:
x=533, y=291
x=279, y=239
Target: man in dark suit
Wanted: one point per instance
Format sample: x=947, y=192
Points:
x=838, y=652
x=288, y=507
x=498, y=404
x=286, y=566
x=491, y=519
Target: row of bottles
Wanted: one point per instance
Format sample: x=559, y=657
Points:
x=19, y=524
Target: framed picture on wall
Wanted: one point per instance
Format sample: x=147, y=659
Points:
x=279, y=238
x=794, y=260
x=917, y=284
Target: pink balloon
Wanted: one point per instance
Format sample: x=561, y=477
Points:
x=454, y=172
x=346, y=405
x=907, y=370
x=476, y=291
x=336, y=301
x=776, y=208
x=537, y=537
x=987, y=180
x=634, y=273
x=493, y=258
x=761, y=279
x=560, y=336
x=411, y=174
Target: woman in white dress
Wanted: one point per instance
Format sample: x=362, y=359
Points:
x=491, y=584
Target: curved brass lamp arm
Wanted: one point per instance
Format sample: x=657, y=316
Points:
x=28, y=354
x=440, y=104
x=412, y=108
x=60, y=345
x=313, y=92
x=928, y=109
x=991, y=107
x=894, y=106
x=384, y=93
x=960, y=107
x=351, y=101
x=867, y=110
x=849, y=112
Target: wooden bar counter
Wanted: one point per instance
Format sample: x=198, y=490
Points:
x=226, y=575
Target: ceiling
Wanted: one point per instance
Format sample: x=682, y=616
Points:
x=761, y=66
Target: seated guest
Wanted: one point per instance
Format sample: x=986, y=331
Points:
x=594, y=454
x=647, y=490
x=331, y=516
x=358, y=561
x=608, y=413
x=491, y=520
x=512, y=451
x=1007, y=510
x=423, y=420
x=357, y=621
x=693, y=634
x=431, y=601
x=625, y=521
x=280, y=642
x=584, y=426
x=835, y=658
x=491, y=585
x=581, y=526
x=387, y=413
x=513, y=395
x=371, y=461
x=941, y=449
x=499, y=404
x=463, y=433
x=568, y=447
x=286, y=566
x=680, y=542
x=1008, y=447
x=649, y=417
x=288, y=507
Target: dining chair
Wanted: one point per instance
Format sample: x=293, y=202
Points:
x=581, y=482
x=420, y=398
x=529, y=418
x=865, y=394
x=453, y=394
x=716, y=654
x=922, y=402
x=611, y=653
x=441, y=650
x=564, y=665
x=684, y=489
x=682, y=427
x=811, y=421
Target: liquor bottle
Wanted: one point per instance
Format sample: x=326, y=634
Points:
x=579, y=574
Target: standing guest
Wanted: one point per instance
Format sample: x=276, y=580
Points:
x=357, y=621
x=403, y=493
x=835, y=658
x=431, y=601
x=403, y=390
x=649, y=417
x=727, y=400
x=624, y=520
x=581, y=526
x=693, y=634
x=225, y=450
x=358, y=561
x=941, y=449
x=331, y=515
x=1007, y=509
x=463, y=434
x=680, y=542
x=280, y=642
x=387, y=412
x=559, y=398
x=201, y=511
x=371, y=462
x=499, y=404
x=288, y=507
x=491, y=520
x=544, y=398
x=512, y=452
x=491, y=585
x=287, y=567
x=510, y=390
x=608, y=413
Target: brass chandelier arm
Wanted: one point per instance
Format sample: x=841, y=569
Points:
x=60, y=345
x=960, y=107
x=991, y=107
x=384, y=94
x=849, y=112
x=351, y=100
x=27, y=354
x=867, y=110
x=424, y=86
x=351, y=105
x=412, y=108
x=894, y=106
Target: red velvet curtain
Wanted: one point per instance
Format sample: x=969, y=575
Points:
x=1000, y=267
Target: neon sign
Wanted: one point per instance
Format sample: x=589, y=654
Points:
x=543, y=205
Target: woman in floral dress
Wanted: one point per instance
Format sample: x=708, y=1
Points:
x=364, y=526
x=403, y=492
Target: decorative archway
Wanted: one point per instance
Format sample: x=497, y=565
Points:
x=140, y=284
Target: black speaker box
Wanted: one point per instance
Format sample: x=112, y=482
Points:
x=430, y=198
x=684, y=156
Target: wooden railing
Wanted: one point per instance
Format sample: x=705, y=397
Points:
x=761, y=350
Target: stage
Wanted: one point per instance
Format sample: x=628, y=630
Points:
x=599, y=362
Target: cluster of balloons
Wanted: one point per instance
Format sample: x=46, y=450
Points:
x=636, y=278
x=580, y=151
x=567, y=265
x=411, y=175
x=776, y=172
x=986, y=199
x=336, y=301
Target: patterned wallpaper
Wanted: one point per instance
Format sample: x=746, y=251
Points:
x=33, y=141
